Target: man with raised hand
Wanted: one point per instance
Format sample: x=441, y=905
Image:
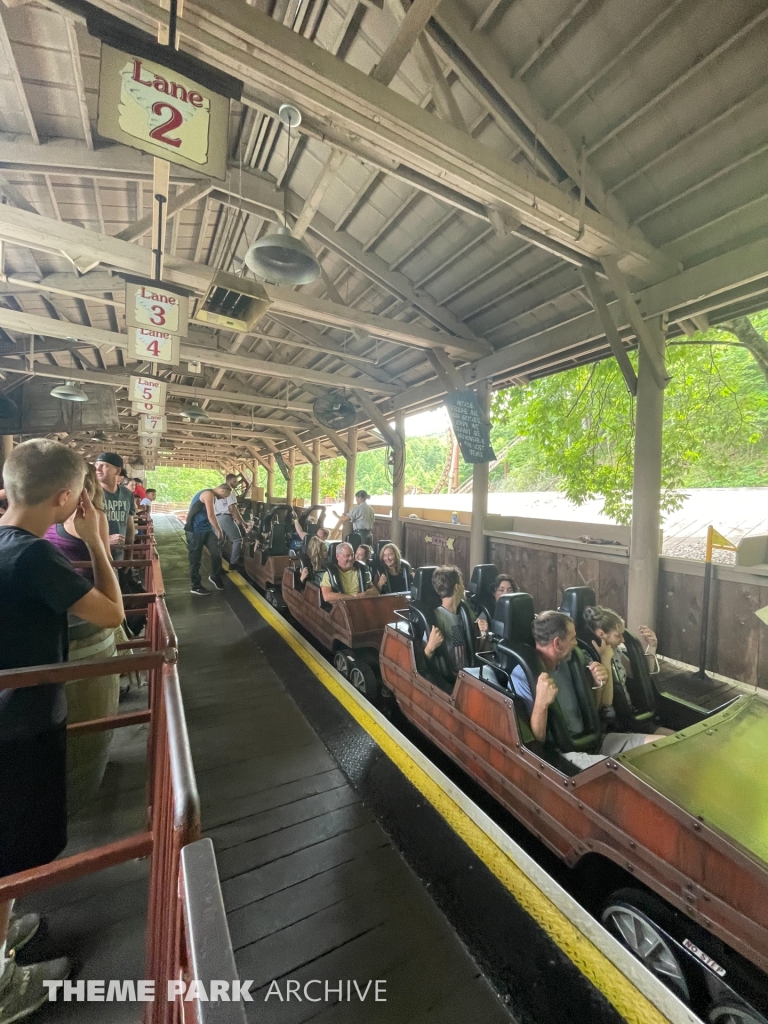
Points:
x=38, y=587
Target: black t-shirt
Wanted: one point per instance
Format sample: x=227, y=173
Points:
x=37, y=586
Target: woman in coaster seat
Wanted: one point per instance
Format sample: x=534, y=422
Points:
x=396, y=576
x=317, y=553
x=608, y=629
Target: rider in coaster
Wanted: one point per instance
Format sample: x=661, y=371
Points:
x=364, y=554
x=348, y=575
x=555, y=637
x=317, y=553
x=393, y=580
x=504, y=584
x=608, y=629
x=449, y=585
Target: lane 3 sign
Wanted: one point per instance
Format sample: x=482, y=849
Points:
x=153, y=306
x=150, y=107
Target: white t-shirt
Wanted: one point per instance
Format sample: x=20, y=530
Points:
x=146, y=501
x=221, y=505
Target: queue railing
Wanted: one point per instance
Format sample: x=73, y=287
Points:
x=173, y=806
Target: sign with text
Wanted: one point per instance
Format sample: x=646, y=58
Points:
x=147, y=389
x=144, y=343
x=150, y=107
x=149, y=425
x=472, y=430
x=147, y=408
x=153, y=306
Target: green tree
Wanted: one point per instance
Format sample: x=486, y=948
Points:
x=180, y=485
x=577, y=427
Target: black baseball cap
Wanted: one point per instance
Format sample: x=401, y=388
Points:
x=112, y=458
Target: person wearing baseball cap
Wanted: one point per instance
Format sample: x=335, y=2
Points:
x=118, y=502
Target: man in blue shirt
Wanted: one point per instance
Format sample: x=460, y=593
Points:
x=555, y=637
x=203, y=531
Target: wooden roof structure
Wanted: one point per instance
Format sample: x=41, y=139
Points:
x=495, y=190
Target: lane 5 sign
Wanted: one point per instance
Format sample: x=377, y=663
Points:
x=151, y=306
x=150, y=107
x=145, y=389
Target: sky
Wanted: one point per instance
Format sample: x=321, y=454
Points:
x=423, y=423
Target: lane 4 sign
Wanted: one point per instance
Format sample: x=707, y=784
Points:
x=144, y=343
x=150, y=107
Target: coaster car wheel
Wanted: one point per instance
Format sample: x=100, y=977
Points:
x=341, y=664
x=632, y=917
x=363, y=678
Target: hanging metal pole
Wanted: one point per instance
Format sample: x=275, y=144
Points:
x=702, y=673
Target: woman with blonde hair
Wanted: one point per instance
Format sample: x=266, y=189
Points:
x=317, y=553
x=64, y=536
x=395, y=575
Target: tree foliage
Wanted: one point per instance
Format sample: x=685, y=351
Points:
x=578, y=425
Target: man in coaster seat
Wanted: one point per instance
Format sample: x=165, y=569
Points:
x=452, y=626
x=347, y=579
x=555, y=637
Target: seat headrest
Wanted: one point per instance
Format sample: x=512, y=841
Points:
x=483, y=577
x=422, y=590
x=332, y=545
x=377, y=548
x=513, y=618
x=575, y=600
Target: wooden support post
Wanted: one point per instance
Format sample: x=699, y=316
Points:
x=6, y=449
x=612, y=335
x=398, y=482
x=315, y=496
x=480, y=473
x=270, y=478
x=254, y=467
x=289, y=462
x=349, y=483
x=646, y=486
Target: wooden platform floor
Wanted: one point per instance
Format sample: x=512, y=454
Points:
x=313, y=887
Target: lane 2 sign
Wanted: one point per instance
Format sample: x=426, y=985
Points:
x=150, y=107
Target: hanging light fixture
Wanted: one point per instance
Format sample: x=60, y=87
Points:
x=278, y=257
x=194, y=413
x=69, y=392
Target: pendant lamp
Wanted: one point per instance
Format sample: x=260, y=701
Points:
x=278, y=257
x=193, y=412
x=69, y=392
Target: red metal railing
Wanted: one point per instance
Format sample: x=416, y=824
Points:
x=173, y=811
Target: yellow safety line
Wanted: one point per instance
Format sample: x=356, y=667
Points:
x=630, y=1002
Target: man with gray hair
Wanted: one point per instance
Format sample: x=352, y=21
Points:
x=38, y=587
x=555, y=637
x=347, y=578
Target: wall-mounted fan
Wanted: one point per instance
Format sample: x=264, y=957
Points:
x=334, y=411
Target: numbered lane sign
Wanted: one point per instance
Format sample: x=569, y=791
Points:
x=148, y=106
x=153, y=306
x=147, y=409
x=150, y=425
x=157, y=346
x=149, y=443
x=146, y=389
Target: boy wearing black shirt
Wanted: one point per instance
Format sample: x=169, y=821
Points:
x=44, y=483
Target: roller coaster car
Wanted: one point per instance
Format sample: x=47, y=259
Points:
x=266, y=553
x=350, y=630
x=642, y=706
x=679, y=824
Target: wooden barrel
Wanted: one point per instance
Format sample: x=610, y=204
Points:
x=87, y=699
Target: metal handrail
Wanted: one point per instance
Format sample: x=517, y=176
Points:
x=206, y=951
